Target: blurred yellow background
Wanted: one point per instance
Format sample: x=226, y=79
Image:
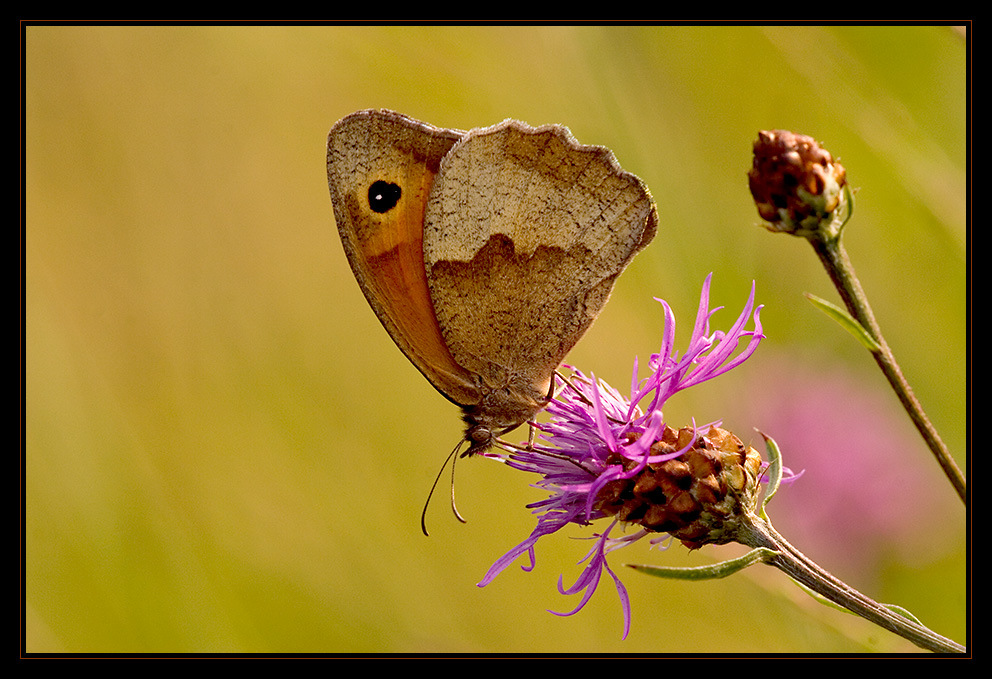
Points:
x=225, y=452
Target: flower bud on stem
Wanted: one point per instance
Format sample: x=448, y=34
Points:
x=799, y=189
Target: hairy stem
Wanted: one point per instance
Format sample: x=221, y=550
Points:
x=759, y=533
x=834, y=258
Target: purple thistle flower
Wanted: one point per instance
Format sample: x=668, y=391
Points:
x=600, y=448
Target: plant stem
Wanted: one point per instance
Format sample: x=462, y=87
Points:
x=759, y=533
x=834, y=258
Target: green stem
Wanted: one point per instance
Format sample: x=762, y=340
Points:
x=759, y=533
x=834, y=258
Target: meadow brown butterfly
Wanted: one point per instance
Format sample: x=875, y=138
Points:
x=485, y=254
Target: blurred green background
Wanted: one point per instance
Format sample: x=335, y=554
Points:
x=225, y=452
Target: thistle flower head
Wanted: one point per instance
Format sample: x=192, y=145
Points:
x=606, y=455
x=698, y=497
x=796, y=184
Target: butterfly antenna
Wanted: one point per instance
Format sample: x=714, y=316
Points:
x=423, y=515
x=454, y=508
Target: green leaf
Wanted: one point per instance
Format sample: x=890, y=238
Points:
x=848, y=205
x=903, y=612
x=774, y=471
x=899, y=610
x=846, y=321
x=710, y=572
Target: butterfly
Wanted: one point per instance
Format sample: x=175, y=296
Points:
x=485, y=254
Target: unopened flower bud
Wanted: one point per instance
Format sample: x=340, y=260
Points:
x=698, y=497
x=796, y=185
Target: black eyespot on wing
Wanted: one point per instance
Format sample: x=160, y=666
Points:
x=383, y=196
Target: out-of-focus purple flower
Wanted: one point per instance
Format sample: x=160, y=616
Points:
x=606, y=455
x=849, y=434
